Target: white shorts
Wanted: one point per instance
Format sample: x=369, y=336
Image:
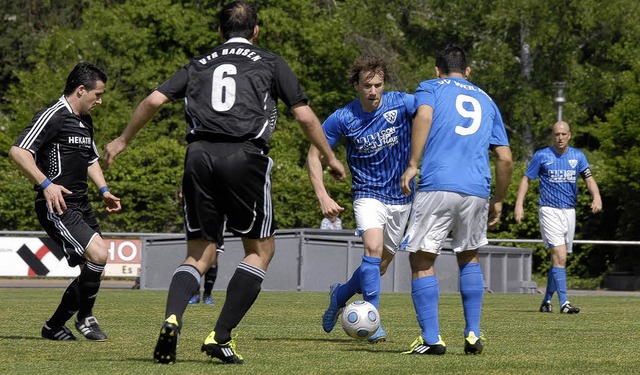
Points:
x=392, y=218
x=436, y=213
x=557, y=226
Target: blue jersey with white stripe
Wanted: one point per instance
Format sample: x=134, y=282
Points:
x=558, y=176
x=378, y=145
x=466, y=122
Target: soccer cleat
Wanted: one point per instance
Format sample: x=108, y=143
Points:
x=165, y=351
x=330, y=317
x=195, y=299
x=90, y=328
x=57, y=333
x=419, y=346
x=378, y=336
x=568, y=309
x=207, y=300
x=546, y=307
x=473, y=344
x=224, y=352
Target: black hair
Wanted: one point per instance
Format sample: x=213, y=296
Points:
x=452, y=59
x=84, y=74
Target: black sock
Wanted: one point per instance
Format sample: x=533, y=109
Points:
x=184, y=284
x=88, y=286
x=67, y=307
x=210, y=279
x=242, y=291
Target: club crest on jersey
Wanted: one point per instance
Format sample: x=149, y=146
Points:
x=80, y=124
x=573, y=163
x=391, y=116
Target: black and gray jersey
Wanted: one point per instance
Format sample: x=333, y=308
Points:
x=63, y=147
x=231, y=93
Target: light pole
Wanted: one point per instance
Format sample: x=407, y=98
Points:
x=560, y=98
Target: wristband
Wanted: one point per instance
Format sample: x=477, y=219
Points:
x=104, y=189
x=45, y=183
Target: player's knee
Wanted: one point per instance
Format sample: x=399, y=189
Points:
x=97, y=252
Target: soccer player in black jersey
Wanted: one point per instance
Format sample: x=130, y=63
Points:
x=57, y=152
x=230, y=96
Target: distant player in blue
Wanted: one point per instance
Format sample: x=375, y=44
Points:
x=376, y=127
x=456, y=124
x=558, y=167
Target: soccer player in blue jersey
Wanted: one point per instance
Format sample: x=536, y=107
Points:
x=456, y=124
x=376, y=127
x=558, y=167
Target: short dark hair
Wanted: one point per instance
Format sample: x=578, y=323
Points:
x=367, y=63
x=84, y=74
x=238, y=19
x=452, y=59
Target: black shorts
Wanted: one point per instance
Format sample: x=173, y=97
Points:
x=227, y=181
x=73, y=231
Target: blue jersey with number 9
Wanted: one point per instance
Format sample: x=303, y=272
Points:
x=466, y=122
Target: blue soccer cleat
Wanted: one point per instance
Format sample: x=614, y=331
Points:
x=378, y=336
x=330, y=316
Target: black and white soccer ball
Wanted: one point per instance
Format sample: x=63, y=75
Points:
x=360, y=320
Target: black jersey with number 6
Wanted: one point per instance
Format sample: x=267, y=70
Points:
x=231, y=93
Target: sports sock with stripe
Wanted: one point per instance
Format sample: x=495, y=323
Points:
x=242, y=291
x=68, y=305
x=184, y=284
x=88, y=286
x=560, y=280
x=349, y=289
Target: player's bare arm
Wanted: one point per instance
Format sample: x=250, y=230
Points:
x=141, y=116
x=94, y=171
x=518, y=210
x=53, y=193
x=313, y=131
x=330, y=208
x=419, y=132
x=504, y=169
x=592, y=186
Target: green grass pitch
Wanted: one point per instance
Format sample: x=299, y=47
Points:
x=282, y=335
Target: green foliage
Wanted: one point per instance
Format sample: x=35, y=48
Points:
x=516, y=54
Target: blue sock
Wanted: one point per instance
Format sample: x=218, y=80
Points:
x=425, y=295
x=560, y=279
x=349, y=289
x=370, y=279
x=551, y=286
x=471, y=290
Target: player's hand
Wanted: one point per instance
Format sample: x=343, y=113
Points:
x=407, y=177
x=53, y=194
x=495, y=211
x=330, y=208
x=518, y=214
x=112, y=149
x=337, y=169
x=112, y=202
x=596, y=205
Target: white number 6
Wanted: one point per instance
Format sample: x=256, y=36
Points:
x=223, y=88
x=475, y=114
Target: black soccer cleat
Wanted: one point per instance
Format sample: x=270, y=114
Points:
x=224, y=352
x=473, y=344
x=568, y=309
x=546, y=307
x=165, y=350
x=57, y=333
x=90, y=329
x=419, y=346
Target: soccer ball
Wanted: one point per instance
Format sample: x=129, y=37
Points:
x=360, y=320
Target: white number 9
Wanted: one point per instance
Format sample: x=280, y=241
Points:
x=223, y=88
x=475, y=114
